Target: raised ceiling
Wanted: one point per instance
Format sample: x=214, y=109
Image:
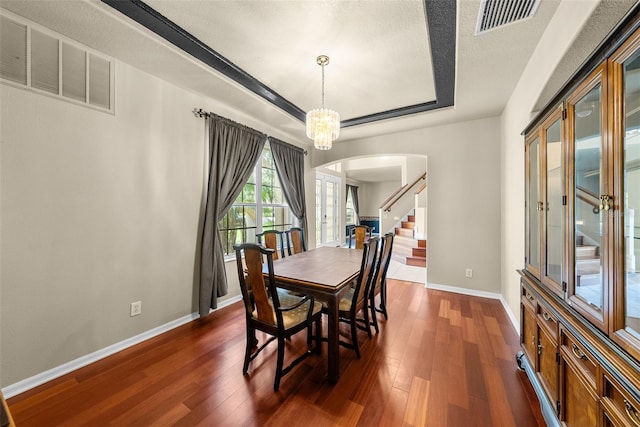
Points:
x=383, y=57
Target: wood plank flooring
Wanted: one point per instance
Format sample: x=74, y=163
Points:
x=442, y=359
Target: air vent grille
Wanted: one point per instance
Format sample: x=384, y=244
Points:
x=497, y=13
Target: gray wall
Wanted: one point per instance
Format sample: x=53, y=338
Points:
x=464, y=206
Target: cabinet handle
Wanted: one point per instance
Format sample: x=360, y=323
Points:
x=533, y=340
x=539, y=349
x=546, y=316
x=530, y=297
x=579, y=353
x=605, y=202
x=540, y=206
x=631, y=413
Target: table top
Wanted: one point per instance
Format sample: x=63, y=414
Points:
x=327, y=268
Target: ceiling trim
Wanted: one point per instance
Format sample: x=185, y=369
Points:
x=441, y=23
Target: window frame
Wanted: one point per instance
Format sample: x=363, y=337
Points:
x=258, y=204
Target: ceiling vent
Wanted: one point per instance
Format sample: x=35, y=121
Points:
x=497, y=13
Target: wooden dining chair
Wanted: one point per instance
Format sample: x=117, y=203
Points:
x=273, y=239
x=295, y=240
x=356, y=299
x=379, y=282
x=267, y=309
x=361, y=233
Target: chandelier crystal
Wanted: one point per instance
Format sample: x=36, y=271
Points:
x=323, y=124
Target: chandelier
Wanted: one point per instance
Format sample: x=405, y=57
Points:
x=323, y=124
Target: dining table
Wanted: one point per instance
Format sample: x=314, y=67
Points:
x=326, y=273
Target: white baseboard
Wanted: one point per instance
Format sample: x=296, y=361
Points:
x=58, y=371
x=483, y=294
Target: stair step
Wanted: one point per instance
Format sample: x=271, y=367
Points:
x=417, y=261
x=419, y=252
x=411, y=218
x=422, y=243
x=587, y=251
x=408, y=224
x=404, y=232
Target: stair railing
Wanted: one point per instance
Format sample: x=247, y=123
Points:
x=398, y=194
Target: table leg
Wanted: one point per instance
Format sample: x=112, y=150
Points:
x=333, y=338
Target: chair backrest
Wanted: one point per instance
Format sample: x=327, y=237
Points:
x=273, y=239
x=255, y=290
x=382, y=264
x=295, y=240
x=361, y=233
x=367, y=269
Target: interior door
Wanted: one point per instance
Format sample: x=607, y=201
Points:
x=327, y=209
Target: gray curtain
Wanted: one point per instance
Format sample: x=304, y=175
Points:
x=234, y=150
x=354, y=198
x=289, y=161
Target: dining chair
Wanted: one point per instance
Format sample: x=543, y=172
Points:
x=357, y=297
x=273, y=239
x=295, y=240
x=269, y=310
x=379, y=282
x=361, y=233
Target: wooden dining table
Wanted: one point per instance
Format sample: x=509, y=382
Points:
x=326, y=273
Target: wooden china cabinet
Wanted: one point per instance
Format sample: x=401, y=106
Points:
x=580, y=285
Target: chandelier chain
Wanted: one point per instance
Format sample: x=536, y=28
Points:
x=322, y=85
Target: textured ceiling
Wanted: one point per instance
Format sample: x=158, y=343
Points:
x=381, y=55
x=278, y=42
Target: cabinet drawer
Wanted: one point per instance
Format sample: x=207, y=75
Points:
x=548, y=321
x=529, y=299
x=583, y=360
x=619, y=403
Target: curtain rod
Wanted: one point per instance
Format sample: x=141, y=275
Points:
x=199, y=112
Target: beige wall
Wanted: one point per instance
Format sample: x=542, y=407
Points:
x=464, y=205
x=98, y=211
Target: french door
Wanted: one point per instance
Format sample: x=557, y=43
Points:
x=327, y=210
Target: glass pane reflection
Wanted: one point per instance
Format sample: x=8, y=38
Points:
x=588, y=215
x=631, y=194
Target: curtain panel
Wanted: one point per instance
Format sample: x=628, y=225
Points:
x=289, y=161
x=234, y=150
x=354, y=198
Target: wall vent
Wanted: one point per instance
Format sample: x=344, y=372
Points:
x=497, y=13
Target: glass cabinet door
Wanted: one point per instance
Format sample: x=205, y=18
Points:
x=627, y=148
x=534, y=206
x=552, y=226
x=590, y=205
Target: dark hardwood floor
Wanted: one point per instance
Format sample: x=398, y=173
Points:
x=442, y=359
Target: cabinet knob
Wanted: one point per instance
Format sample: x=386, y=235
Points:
x=540, y=206
x=579, y=353
x=546, y=316
x=632, y=413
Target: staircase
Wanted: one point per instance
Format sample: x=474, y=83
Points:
x=406, y=249
x=587, y=259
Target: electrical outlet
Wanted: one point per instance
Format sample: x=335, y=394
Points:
x=468, y=272
x=136, y=308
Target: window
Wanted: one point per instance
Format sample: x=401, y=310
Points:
x=351, y=213
x=41, y=61
x=260, y=206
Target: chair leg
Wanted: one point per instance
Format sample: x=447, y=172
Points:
x=251, y=342
x=383, y=299
x=374, y=318
x=276, y=384
x=367, y=324
x=354, y=337
x=319, y=336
